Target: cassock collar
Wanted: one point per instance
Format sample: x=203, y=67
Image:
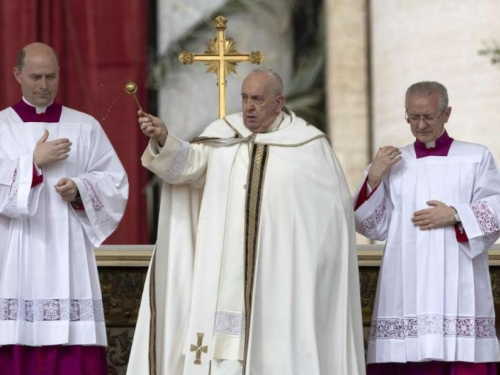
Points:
x=293, y=131
x=442, y=147
x=28, y=112
x=285, y=118
x=276, y=123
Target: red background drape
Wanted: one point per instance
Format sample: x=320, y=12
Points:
x=101, y=45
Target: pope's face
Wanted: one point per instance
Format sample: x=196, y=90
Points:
x=39, y=77
x=426, y=118
x=260, y=104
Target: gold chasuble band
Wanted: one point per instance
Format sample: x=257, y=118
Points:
x=152, y=322
x=255, y=185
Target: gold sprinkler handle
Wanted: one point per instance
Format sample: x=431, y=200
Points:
x=131, y=89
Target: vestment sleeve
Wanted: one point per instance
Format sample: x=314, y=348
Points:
x=373, y=210
x=480, y=218
x=17, y=197
x=103, y=189
x=177, y=162
x=37, y=176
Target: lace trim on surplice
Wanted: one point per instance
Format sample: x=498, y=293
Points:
x=11, y=206
x=487, y=222
x=402, y=328
x=51, y=310
x=374, y=219
x=178, y=163
x=229, y=323
x=105, y=223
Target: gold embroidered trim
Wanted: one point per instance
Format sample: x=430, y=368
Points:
x=277, y=144
x=203, y=139
x=255, y=184
x=152, y=322
x=239, y=135
x=296, y=144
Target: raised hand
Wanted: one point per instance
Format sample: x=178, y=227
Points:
x=67, y=189
x=50, y=152
x=153, y=127
x=386, y=157
x=439, y=216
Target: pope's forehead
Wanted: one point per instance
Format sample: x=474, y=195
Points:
x=255, y=82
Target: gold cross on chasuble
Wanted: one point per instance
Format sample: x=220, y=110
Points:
x=198, y=348
x=221, y=58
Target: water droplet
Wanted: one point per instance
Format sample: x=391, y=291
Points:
x=113, y=103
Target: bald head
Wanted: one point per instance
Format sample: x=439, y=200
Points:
x=262, y=99
x=274, y=83
x=37, y=71
x=34, y=48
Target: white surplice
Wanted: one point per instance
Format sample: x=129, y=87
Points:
x=306, y=315
x=434, y=299
x=49, y=286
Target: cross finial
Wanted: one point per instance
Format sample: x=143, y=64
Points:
x=220, y=23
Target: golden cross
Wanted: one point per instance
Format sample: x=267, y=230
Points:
x=221, y=58
x=198, y=348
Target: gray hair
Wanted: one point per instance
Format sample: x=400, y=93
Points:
x=275, y=84
x=426, y=88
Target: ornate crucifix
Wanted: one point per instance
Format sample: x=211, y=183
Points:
x=221, y=58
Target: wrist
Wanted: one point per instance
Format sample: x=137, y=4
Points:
x=456, y=216
x=162, y=140
x=373, y=182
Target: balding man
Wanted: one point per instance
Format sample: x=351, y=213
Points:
x=62, y=192
x=255, y=270
x=437, y=202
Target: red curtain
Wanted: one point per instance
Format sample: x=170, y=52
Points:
x=101, y=45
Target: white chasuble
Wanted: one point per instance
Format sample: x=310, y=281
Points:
x=49, y=286
x=434, y=299
x=255, y=266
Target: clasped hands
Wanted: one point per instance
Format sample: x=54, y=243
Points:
x=153, y=127
x=46, y=153
x=438, y=216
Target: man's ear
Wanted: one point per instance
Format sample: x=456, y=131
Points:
x=17, y=74
x=280, y=104
x=448, y=113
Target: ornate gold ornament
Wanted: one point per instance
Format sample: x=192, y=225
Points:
x=221, y=58
x=186, y=58
x=131, y=89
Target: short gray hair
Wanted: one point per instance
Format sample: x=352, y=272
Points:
x=426, y=88
x=275, y=84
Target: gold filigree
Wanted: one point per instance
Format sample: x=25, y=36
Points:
x=213, y=49
x=256, y=57
x=220, y=23
x=255, y=183
x=231, y=50
x=186, y=58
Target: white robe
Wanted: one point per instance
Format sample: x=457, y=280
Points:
x=49, y=286
x=306, y=313
x=434, y=298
